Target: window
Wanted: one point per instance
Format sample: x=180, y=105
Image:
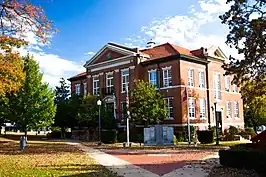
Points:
x=234, y=88
x=124, y=109
x=125, y=79
x=217, y=86
x=190, y=77
x=228, y=109
x=169, y=107
x=236, y=109
x=152, y=77
x=167, y=77
x=202, y=108
x=96, y=85
x=77, y=89
x=85, y=88
x=201, y=79
x=109, y=83
x=191, y=108
x=227, y=83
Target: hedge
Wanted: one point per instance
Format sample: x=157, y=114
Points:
x=244, y=158
x=205, y=136
x=108, y=136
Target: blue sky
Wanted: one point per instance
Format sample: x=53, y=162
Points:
x=86, y=25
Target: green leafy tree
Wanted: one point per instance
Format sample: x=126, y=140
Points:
x=254, y=103
x=247, y=25
x=64, y=117
x=33, y=105
x=88, y=111
x=146, y=104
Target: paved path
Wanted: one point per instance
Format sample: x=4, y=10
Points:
x=125, y=167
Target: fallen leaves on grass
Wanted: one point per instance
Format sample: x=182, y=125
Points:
x=47, y=159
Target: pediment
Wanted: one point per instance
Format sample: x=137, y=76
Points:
x=108, y=53
x=216, y=52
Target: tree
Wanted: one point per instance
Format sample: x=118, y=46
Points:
x=247, y=25
x=146, y=104
x=254, y=103
x=17, y=19
x=11, y=65
x=63, y=118
x=33, y=105
x=88, y=111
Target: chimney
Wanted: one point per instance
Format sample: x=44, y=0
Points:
x=150, y=44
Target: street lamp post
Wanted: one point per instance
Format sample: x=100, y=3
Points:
x=99, y=103
x=217, y=125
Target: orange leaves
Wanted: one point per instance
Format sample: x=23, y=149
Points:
x=23, y=17
x=11, y=65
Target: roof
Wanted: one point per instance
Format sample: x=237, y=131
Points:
x=78, y=76
x=123, y=47
x=166, y=50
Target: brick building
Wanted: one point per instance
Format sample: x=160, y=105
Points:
x=171, y=69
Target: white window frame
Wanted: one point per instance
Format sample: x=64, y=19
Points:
x=227, y=83
x=77, y=89
x=191, y=108
x=202, y=108
x=151, y=81
x=109, y=80
x=167, y=77
x=217, y=86
x=229, y=109
x=201, y=79
x=234, y=88
x=96, y=85
x=191, y=77
x=85, y=88
x=124, y=85
x=169, y=108
x=236, y=109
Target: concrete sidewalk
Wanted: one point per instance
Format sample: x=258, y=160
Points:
x=126, y=169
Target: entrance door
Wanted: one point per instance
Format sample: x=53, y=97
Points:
x=219, y=120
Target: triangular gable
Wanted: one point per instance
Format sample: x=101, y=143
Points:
x=107, y=53
x=216, y=52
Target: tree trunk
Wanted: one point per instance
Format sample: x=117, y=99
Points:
x=26, y=133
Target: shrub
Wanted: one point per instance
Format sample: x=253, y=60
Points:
x=244, y=158
x=108, y=136
x=180, y=134
x=122, y=137
x=139, y=138
x=56, y=133
x=233, y=131
x=68, y=135
x=248, y=132
x=205, y=136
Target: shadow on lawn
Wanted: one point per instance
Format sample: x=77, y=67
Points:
x=12, y=148
x=16, y=137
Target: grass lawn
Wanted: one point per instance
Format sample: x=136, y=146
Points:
x=42, y=158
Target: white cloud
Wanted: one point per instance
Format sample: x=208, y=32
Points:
x=201, y=27
x=53, y=66
x=89, y=53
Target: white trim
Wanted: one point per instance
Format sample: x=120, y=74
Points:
x=152, y=70
x=88, y=76
x=109, y=73
x=96, y=75
x=109, y=61
x=131, y=67
x=110, y=66
x=116, y=70
x=100, y=74
x=167, y=67
x=111, y=47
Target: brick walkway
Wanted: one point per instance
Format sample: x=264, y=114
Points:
x=159, y=162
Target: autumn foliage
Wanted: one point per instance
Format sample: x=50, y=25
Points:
x=11, y=65
x=17, y=19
